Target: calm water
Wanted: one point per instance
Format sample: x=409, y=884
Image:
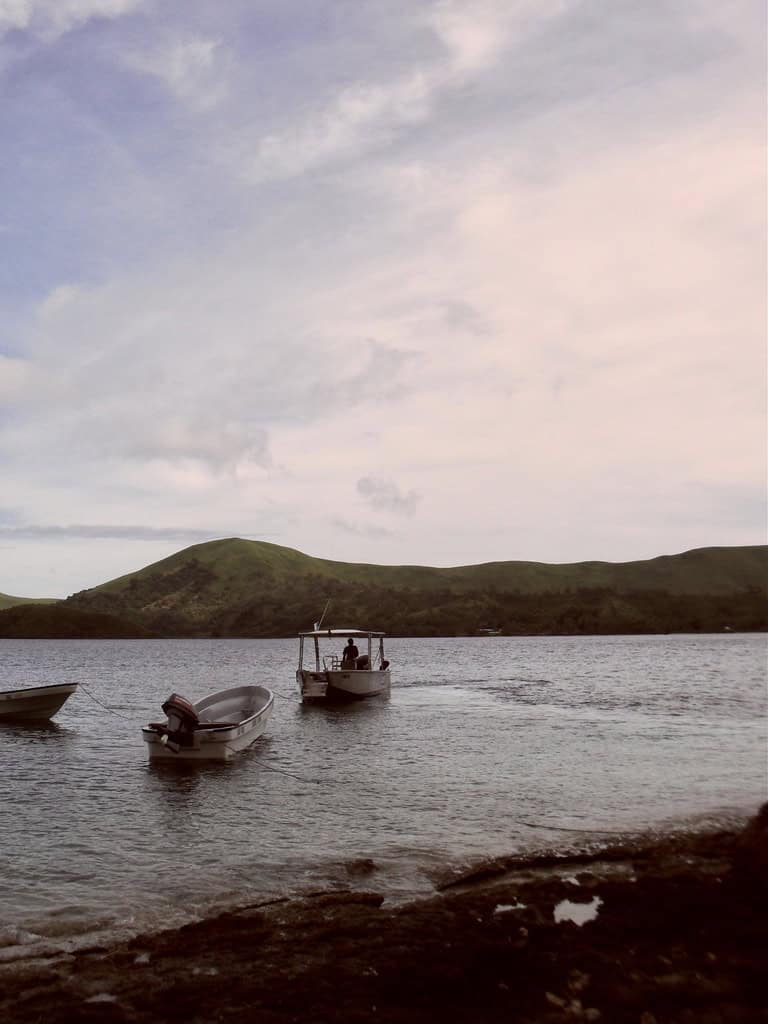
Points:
x=484, y=747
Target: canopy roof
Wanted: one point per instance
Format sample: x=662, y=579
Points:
x=334, y=633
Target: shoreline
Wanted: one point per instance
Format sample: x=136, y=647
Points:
x=673, y=930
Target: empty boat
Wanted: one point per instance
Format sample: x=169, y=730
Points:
x=213, y=729
x=34, y=703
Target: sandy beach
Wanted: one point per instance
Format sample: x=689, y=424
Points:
x=673, y=931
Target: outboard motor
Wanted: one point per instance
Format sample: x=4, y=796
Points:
x=182, y=721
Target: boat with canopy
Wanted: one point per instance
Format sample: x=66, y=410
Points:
x=337, y=676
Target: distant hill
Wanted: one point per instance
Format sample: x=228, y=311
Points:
x=6, y=601
x=239, y=587
x=54, y=621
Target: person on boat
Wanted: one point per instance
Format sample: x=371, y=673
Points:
x=350, y=655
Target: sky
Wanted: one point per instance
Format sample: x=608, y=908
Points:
x=432, y=282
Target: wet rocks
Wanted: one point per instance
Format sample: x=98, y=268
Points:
x=750, y=855
x=679, y=937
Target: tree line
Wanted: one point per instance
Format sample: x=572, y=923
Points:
x=406, y=612
x=192, y=601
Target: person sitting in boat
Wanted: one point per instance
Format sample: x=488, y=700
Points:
x=350, y=655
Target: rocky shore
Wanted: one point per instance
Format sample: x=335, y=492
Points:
x=673, y=931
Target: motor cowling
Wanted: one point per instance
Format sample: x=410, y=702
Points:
x=181, y=714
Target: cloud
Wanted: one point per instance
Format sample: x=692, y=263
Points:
x=367, y=530
x=386, y=496
x=13, y=374
x=193, y=69
x=103, y=532
x=366, y=116
x=362, y=117
x=158, y=402
x=51, y=19
x=475, y=32
x=381, y=377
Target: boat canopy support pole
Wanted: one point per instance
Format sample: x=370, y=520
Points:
x=317, y=654
x=301, y=653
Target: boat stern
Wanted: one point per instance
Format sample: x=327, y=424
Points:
x=312, y=685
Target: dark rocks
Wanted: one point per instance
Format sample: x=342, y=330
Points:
x=360, y=867
x=679, y=939
x=750, y=855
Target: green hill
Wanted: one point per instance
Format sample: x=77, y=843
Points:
x=6, y=601
x=251, y=588
x=57, y=621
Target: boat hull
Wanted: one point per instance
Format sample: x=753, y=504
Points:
x=213, y=739
x=34, y=703
x=356, y=684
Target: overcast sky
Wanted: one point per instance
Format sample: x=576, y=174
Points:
x=400, y=281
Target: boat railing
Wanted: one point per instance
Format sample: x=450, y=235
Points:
x=334, y=663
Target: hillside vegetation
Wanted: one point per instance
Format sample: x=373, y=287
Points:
x=55, y=621
x=251, y=588
x=6, y=601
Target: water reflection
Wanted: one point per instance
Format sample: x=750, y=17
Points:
x=185, y=786
x=346, y=708
x=30, y=731
x=182, y=776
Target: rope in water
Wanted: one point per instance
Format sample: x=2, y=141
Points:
x=282, y=771
x=105, y=706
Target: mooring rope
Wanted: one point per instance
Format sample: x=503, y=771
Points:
x=284, y=696
x=282, y=771
x=105, y=706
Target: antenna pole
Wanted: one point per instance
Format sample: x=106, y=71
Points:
x=327, y=605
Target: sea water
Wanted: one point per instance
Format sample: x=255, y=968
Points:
x=485, y=747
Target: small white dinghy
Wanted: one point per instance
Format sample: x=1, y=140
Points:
x=34, y=703
x=213, y=729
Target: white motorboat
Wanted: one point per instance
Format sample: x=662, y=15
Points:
x=213, y=729
x=34, y=703
x=339, y=677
